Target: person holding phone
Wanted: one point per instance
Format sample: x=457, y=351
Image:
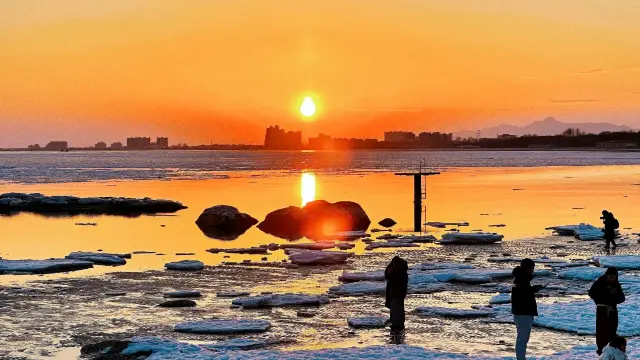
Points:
x=523, y=304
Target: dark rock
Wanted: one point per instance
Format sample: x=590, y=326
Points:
x=305, y=314
x=318, y=219
x=178, y=303
x=387, y=222
x=287, y=223
x=224, y=222
x=110, y=350
x=70, y=205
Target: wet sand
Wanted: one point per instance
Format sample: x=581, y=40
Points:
x=43, y=315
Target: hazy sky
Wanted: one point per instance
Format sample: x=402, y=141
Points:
x=222, y=70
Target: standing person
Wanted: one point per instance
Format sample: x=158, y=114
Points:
x=616, y=350
x=611, y=224
x=607, y=293
x=397, y=281
x=523, y=304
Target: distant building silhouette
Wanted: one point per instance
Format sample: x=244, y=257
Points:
x=138, y=143
x=507, y=136
x=34, y=147
x=162, y=142
x=100, y=145
x=435, y=139
x=116, y=145
x=57, y=146
x=322, y=142
x=279, y=139
x=399, y=136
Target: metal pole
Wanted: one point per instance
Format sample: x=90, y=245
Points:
x=417, y=203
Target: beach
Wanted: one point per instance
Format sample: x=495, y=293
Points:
x=519, y=202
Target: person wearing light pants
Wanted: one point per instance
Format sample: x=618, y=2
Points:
x=523, y=305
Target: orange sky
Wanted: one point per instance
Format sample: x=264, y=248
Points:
x=222, y=70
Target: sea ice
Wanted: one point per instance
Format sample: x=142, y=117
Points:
x=279, y=300
x=440, y=266
x=223, y=326
x=586, y=273
x=453, y=312
x=471, y=238
x=42, y=266
x=421, y=278
x=185, y=265
x=98, y=258
x=309, y=246
x=500, y=299
x=182, y=294
x=390, y=244
x=232, y=293
x=622, y=262
x=368, y=322
x=376, y=275
x=359, y=288
x=316, y=257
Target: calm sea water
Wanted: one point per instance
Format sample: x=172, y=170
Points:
x=54, y=167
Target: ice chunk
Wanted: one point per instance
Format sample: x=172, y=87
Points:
x=470, y=278
x=442, y=225
x=564, y=230
x=316, y=257
x=308, y=246
x=586, y=273
x=440, y=266
x=185, y=265
x=421, y=278
x=376, y=275
x=182, y=294
x=368, y=322
x=623, y=262
x=42, y=266
x=414, y=239
x=500, y=299
x=98, y=258
x=360, y=288
x=278, y=300
x=237, y=344
x=453, y=312
x=223, y=326
x=232, y=293
x=471, y=238
x=390, y=244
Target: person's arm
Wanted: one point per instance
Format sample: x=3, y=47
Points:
x=594, y=292
x=621, y=298
x=536, y=288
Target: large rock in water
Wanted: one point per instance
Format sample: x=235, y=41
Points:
x=287, y=223
x=72, y=205
x=387, y=222
x=224, y=222
x=318, y=219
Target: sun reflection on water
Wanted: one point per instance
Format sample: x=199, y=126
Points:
x=307, y=187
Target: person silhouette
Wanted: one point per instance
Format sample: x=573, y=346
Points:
x=607, y=293
x=611, y=224
x=397, y=282
x=523, y=304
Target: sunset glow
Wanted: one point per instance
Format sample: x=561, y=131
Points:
x=307, y=187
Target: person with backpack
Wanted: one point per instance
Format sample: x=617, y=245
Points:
x=611, y=224
x=607, y=293
x=397, y=278
x=523, y=304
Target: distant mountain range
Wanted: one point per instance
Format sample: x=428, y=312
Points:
x=548, y=126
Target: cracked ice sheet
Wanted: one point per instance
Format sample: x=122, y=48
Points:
x=167, y=349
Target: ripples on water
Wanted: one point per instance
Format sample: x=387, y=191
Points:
x=51, y=167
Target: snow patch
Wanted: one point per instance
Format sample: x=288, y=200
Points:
x=368, y=322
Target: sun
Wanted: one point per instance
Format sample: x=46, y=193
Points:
x=308, y=107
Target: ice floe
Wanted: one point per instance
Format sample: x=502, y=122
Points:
x=359, y=288
x=309, y=246
x=390, y=244
x=232, y=293
x=622, y=262
x=376, y=275
x=252, y=250
x=42, y=266
x=223, y=326
x=585, y=232
x=183, y=294
x=279, y=300
x=453, y=312
x=185, y=265
x=98, y=258
x=317, y=257
x=586, y=273
x=237, y=344
x=368, y=322
x=500, y=299
x=471, y=238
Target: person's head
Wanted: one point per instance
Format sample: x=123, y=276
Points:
x=527, y=265
x=398, y=262
x=605, y=214
x=611, y=275
x=619, y=343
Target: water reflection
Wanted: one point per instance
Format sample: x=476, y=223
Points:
x=307, y=187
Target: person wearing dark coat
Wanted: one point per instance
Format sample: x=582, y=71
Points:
x=610, y=226
x=523, y=304
x=607, y=293
x=397, y=278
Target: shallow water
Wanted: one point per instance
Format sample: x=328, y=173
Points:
x=54, y=314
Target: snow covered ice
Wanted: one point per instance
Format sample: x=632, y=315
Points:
x=43, y=266
x=453, y=312
x=97, y=258
x=500, y=299
x=622, y=262
x=368, y=322
x=223, y=326
x=279, y=300
x=185, y=265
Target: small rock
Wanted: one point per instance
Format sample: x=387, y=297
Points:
x=115, y=294
x=178, y=303
x=305, y=314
